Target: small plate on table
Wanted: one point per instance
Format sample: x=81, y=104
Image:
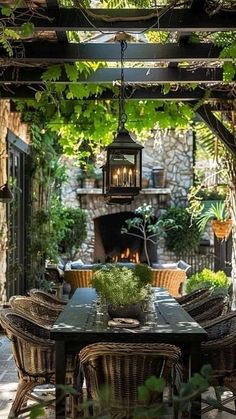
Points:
x=123, y=322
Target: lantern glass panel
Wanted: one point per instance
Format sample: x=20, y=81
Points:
x=124, y=169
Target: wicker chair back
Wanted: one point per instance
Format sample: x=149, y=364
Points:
x=34, y=355
x=220, y=352
x=79, y=278
x=40, y=313
x=171, y=279
x=47, y=299
x=209, y=307
x=124, y=367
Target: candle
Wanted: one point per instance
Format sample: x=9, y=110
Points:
x=115, y=180
x=124, y=175
x=118, y=177
x=130, y=177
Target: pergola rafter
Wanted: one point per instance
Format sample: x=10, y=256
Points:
x=129, y=20
x=218, y=128
x=110, y=75
x=22, y=74
x=51, y=52
x=132, y=93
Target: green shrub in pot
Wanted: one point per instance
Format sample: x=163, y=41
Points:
x=119, y=286
x=207, y=279
x=144, y=273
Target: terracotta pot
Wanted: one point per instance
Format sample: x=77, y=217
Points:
x=88, y=183
x=158, y=176
x=222, y=229
x=145, y=182
x=132, y=311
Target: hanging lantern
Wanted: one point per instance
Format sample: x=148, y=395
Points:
x=122, y=173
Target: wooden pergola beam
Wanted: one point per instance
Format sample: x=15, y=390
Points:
x=114, y=20
x=217, y=128
x=44, y=51
x=111, y=75
x=132, y=93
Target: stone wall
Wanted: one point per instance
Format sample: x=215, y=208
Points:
x=11, y=121
x=172, y=151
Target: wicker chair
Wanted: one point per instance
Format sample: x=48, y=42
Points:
x=79, y=278
x=47, y=299
x=34, y=356
x=194, y=296
x=209, y=307
x=220, y=352
x=171, y=279
x=40, y=313
x=122, y=367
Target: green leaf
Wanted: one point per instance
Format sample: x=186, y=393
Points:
x=37, y=411
x=194, y=38
x=229, y=72
x=155, y=384
x=52, y=74
x=143, y=394
x=27, y=29
x=206, y=370
x=166, y=88
x=6, y=11
x=38, y=96
x=71, y=72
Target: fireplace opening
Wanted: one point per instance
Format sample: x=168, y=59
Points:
x=112, y=246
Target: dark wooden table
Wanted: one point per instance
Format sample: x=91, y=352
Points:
x=80, y=324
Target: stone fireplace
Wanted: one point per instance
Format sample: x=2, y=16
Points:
x=111, y=245
x=172, y=151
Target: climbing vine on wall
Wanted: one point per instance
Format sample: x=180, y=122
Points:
x=48, y=225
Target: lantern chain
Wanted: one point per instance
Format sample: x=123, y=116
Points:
x=122, y=114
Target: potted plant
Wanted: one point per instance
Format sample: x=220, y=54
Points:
x=88, y=176
x=122, y=290
x=220, y=220
x=207, y=279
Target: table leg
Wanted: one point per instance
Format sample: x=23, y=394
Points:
x=60, y=379
x=196, y=367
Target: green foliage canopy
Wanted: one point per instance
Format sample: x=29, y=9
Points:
x=84, y=127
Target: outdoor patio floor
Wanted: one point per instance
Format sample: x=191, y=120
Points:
x=8, y=385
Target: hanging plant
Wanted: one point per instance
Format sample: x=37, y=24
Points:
x=220, y=220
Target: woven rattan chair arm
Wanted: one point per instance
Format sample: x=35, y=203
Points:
x=209, y=323
x=44, y=297
x=17, y=332
x=34, y=310
x=206, y=300
x=220, y=344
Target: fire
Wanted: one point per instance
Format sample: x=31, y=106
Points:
x=127, y=255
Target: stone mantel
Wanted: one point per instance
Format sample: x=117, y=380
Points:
x=145, y=191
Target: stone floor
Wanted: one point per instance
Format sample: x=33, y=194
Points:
x=8, y=385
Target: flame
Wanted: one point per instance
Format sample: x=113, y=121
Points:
x=127, y=254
